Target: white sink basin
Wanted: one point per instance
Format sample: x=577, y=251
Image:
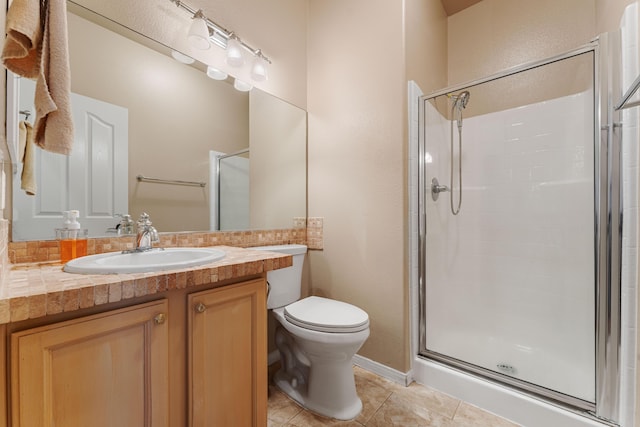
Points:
x=140, y=262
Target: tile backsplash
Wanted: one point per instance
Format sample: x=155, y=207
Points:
x=307, y=231
x=315, y=227
x=47, y=250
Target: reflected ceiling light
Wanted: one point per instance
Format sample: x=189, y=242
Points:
x=259, y=67
x=199, y=32
x=204, y=32
x=234, y=51
x=242, y=86
x=216, y=74
x=181, y=57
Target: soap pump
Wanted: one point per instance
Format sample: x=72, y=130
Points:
x=72, y=238
x=72, y=220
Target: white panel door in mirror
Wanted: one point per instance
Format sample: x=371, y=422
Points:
x=93, y=179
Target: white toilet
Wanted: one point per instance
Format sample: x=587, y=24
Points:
x=317, y=338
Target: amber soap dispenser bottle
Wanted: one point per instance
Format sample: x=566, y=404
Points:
x=72, y=238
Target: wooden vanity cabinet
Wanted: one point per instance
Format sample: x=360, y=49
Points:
x=227, y=356
x=109, y=369
x=185, y=358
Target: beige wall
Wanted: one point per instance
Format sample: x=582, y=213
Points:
x=426, y=44
x=608, y=14
x=494, y=35
x=356, y=104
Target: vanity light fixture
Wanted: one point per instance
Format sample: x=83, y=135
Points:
x=181, y=57
x=242, y=86
x=234, y=51
x=204, y=32
x=259, y=67
x=199, y=32
x=216, y=74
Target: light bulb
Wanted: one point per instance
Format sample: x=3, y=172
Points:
x=216, y=74
x=234, y=52
x=199, y=32
x=259, y=68
x=181, y=57
x=242, y=86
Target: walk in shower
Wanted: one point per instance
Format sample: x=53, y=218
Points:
x=519, y=266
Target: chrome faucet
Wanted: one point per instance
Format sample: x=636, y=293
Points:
x=146, y=234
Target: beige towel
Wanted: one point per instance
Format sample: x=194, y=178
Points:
x=28, y=178
x=22, y=48
x=54, y=124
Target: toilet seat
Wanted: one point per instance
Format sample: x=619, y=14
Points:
x=326, y=315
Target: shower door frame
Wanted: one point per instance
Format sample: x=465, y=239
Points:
x=607, y=238
x=216, y=184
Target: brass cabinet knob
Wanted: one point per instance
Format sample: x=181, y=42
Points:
x=201, y=308
x=160, y=319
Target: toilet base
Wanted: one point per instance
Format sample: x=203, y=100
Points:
x=316, y=368
x=318, y=378
x=299, y=393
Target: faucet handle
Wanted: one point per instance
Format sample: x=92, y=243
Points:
x=126, y=224
x=144, y=220
x=153, y=234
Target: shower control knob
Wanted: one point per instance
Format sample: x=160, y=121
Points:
x=436, y=189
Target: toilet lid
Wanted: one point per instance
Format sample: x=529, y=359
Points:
x=326, y=315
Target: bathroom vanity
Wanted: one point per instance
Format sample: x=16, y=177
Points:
x=164, y=349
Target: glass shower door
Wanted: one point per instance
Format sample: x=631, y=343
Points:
x=509, y=281
x=234, y=192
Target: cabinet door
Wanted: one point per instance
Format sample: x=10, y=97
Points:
x=105, y=370
x=228, y=356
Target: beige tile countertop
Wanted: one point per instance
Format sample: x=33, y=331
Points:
x=40, y=289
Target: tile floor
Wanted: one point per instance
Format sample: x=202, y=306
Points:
x=387, y=404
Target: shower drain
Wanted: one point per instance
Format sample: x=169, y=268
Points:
x=506, y=368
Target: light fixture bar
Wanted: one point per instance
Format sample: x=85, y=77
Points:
x=220, y=30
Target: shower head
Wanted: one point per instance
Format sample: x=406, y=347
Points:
x=459, y=103
x=462, y=99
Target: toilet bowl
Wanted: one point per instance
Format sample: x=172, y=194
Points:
x=316, y=338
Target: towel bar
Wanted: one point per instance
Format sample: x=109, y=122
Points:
x=142, y=178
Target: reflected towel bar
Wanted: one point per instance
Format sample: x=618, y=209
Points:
x=171, y=181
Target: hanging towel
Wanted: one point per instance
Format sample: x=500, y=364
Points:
x=54, y=123
x=23, y=46
x=26, y=153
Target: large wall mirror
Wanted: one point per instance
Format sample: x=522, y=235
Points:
x=181, y=126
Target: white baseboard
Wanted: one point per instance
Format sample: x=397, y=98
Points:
x=377, y=368
x=382, y=370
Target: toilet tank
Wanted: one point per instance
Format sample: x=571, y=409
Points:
x=285, y=284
